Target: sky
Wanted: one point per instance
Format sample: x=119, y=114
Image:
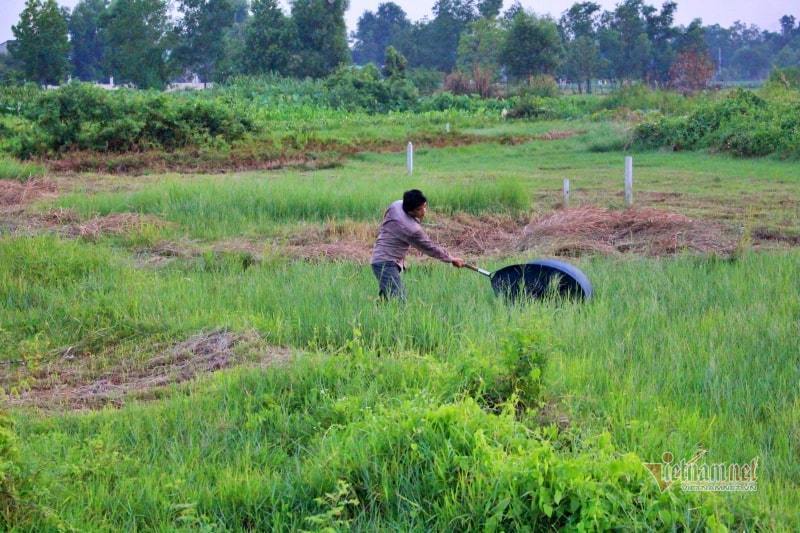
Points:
x=763, y=13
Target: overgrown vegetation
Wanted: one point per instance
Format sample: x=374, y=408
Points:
x=438, y=395
x=743, y=124
x=274, y=119
x=455, y=411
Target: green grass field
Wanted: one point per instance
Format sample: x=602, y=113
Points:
x=453, y=412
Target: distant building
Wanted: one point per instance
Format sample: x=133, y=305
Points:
x=4, y=48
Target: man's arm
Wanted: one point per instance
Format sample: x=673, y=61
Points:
x=424, y=244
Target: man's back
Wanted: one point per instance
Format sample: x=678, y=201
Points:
x=397, y=233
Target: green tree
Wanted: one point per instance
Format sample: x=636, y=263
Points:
x=201, y=35
x=490, y=8
x=233, y=53
x=578, y=27
x=269, y=39
x=752, y=62
x=624, y=42
x=451, y=18
x=88, y=44
x=532, y=46
x=41, y=45
x=376, y=31
x=321, y=37
x=661, y=33
x=582, y=61
x=395, y=64
x=480, y=46
x=138, y=33
x=789, y=55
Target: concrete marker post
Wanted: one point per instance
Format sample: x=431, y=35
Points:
x=410, y=159
x=566, y=193
x=628, y=181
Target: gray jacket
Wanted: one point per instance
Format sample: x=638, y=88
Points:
x=398, y=232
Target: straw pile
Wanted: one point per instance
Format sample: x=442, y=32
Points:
x=578, y=231
x=13, y=193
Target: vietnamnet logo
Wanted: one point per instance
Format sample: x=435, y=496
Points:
x=695, y=476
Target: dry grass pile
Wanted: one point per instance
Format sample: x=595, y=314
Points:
x=13, y=193
x=332, y=241
x=201, y=354
x=558, y=135
x=574, y=232
x=461, y=234
x=114, y=224
x=477, y=236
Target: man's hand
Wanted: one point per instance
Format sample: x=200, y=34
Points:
x=457, y=262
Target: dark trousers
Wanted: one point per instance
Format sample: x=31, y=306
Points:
x=389, y=282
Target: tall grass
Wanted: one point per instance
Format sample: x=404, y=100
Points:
x=669, y=356
x=213, y=207
x=12, y=169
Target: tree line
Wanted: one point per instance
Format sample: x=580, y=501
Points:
x=140, y=42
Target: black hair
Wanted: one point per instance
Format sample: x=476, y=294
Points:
x=413, y=199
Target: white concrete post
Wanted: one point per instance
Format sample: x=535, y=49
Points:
x=628, y=181
x=566, y=193
x=447, y=128
x=410, y=159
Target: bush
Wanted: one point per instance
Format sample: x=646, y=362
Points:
x=9, y=471
x=640, y=97
x=541, y=85
x=743, y=124
x=354, y=89
x=787, y=78
x=81, y=117
x=427, y=81
x=531, y=106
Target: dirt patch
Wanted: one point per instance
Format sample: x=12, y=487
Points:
x=763, y=234
x=14, y=193
x=574, y=232
x=201, y=354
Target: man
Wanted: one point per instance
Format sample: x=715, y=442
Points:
x=400, y=230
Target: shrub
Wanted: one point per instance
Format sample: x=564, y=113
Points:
x=457, y=83
x=427, y=81
x=788, y=78
x=514, y=373
x=82, y=117
x=743, y=124
x=541, y=85
x=9, y=471
x=530, y=106
x=355, y=89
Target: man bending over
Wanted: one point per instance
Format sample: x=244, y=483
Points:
x=400, y=230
